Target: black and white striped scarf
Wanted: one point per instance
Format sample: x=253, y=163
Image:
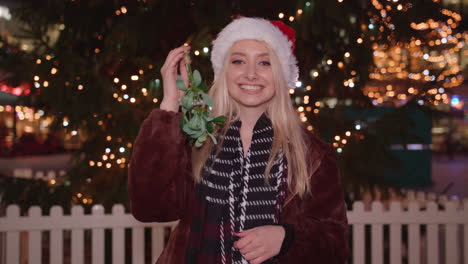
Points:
x=234, y=196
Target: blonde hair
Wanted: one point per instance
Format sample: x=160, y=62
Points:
x=289, y=134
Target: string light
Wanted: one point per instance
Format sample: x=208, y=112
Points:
x=393, y=62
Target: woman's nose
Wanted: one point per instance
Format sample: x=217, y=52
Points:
x=251, y=72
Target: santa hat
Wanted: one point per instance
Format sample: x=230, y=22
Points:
x=279, y=37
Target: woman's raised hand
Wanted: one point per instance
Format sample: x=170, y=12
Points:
x=172, y=94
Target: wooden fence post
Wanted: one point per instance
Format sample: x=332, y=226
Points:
x=56, y=237
x=97, y=237
x=77, y=237
x=12, y=237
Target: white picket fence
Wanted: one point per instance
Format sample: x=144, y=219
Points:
x=416, y=233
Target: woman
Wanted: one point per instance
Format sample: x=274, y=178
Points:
x=269, y=191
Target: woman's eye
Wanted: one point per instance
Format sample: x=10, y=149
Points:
x=265, y=63
x=236, y=62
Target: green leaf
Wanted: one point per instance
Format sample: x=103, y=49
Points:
x=180, y=83
x=213, y=139
x=192, y=124
x=187, y=100
x=195, y=123
x=188, y=130
x=198, y=134
x=200, y=141
x=209, y=127
x=207, y=99
x=199, y=120
x=219, y=119
x=185, y=119
x=196, y=78
x=203, y=87
x=202, y=138
x=209, y=118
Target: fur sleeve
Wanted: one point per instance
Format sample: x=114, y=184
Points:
x=159, y=169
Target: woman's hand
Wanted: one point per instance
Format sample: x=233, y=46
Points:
x=260, y=243
x=169, y=76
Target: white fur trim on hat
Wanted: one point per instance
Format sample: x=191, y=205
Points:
x=257, y=29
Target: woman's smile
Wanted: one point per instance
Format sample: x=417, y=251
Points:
x=251, y=89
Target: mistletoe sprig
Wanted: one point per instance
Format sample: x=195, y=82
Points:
x=197, y=121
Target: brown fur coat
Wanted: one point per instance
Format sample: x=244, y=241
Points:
x=161, y=189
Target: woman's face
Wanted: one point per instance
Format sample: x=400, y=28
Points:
x=249, y=75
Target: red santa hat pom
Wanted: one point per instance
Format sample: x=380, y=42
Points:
x=287, y=30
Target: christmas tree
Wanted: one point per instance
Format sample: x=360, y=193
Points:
x=94, y=65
